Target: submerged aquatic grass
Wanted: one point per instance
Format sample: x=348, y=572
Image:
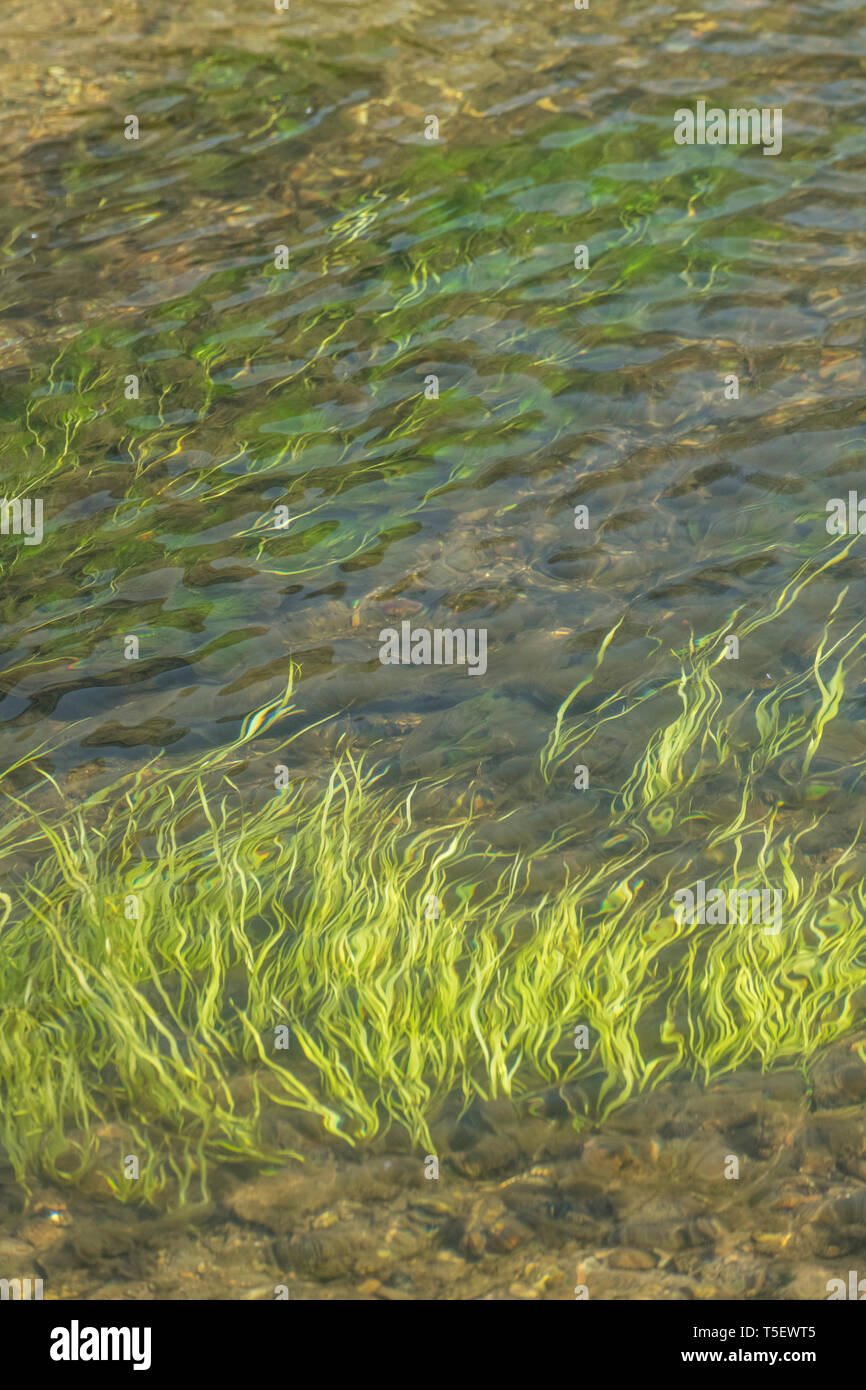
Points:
x=158, y=933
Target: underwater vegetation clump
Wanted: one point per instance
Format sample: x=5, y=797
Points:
x=163, y=938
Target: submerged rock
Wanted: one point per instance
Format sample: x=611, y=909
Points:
x=324, y=1255
x=839, y=1076
x=277, y=1200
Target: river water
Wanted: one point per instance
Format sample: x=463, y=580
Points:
x=438, y=281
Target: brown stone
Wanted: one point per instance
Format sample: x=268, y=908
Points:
x=632, y=1259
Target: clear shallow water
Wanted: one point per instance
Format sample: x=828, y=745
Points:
x=558, y=387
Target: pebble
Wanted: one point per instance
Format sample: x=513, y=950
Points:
x=323, y=1255
x=507, y=1235
x=632, y=1259
x=277, y=1200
